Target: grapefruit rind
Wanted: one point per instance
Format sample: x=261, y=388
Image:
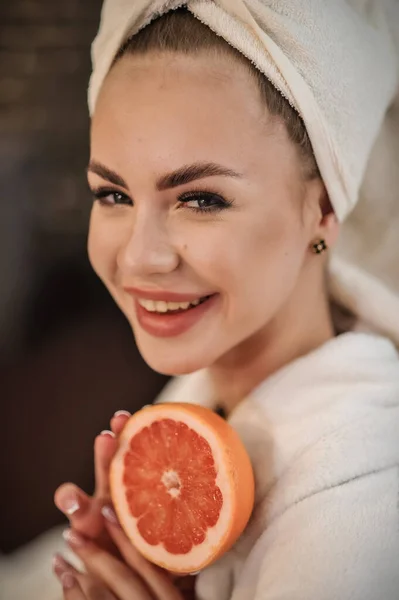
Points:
x=218, y=538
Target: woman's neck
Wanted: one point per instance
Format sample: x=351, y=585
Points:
x=303, y=325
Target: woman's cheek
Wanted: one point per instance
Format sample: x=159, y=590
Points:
x=210, y=256
x=270, y=260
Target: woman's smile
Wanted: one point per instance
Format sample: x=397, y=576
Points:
x=169, y=314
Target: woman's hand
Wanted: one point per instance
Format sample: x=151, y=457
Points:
x=107, y=577
x=93, y=516
x=85, y=512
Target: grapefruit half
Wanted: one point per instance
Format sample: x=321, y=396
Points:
x=182, y=485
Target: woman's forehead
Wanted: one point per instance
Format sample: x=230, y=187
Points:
x=193, y=86
x=143, y=112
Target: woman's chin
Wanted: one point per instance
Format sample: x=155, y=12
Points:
x=171, y=361
x=172, y=366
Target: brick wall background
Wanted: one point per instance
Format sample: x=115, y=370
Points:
x=67, y=356
x=44, y=68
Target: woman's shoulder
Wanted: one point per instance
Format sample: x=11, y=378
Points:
x=351, y=374
x=330, y=418
x=325, y=448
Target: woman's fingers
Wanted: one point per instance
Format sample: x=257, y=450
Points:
x=79, y=586
x=83, y=512
x=158, y=580
x=71, y=588
x=105, y=446
x=67, y=576
x=119, y=420
x=117, y=577
x=71, y=500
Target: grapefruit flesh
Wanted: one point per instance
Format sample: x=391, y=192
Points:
x=182, y=485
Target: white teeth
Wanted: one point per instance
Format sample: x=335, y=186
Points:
x=174, y=305
x=149, y=304
x=161, y=306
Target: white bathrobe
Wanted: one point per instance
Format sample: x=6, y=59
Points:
x=323, y=436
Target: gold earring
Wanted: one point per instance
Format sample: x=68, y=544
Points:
x=319, y=247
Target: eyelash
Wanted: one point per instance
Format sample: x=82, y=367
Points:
x=221, y=203
x=101, y=194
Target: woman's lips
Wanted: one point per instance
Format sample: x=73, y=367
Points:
x=171, y=324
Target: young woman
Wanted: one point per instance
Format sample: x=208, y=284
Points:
x=229, y=140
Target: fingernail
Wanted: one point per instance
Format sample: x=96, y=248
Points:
x=195, y=573
x=59, y=564
x=109, y=514
x=73, y=538
x=68, y=580
x=62, y=570
x=122, y=413
x=70, y=505
x=107, y=432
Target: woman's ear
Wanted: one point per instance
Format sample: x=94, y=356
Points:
x=327, y=228
x=329, y=224
x=323, y=223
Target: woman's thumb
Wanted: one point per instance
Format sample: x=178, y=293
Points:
x=83, y=512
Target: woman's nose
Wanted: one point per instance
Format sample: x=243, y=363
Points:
x=147, y=249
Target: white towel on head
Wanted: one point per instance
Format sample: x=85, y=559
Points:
x=337, y=64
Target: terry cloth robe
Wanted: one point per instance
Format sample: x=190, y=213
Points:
x=323, y=438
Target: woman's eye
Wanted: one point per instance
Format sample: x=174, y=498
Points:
x=204, y=202
x=111, y=198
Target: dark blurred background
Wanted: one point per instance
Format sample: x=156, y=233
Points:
x=67, y=356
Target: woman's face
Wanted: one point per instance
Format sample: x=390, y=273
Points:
x=202, y=200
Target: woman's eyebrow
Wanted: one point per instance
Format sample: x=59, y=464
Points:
x=189, y=173
x=181, y=176
x=105, y=173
